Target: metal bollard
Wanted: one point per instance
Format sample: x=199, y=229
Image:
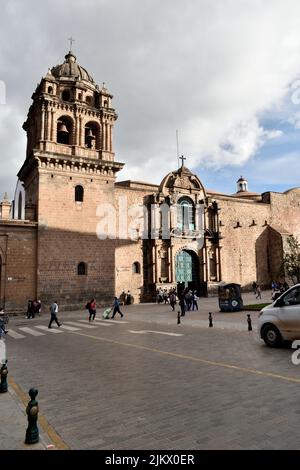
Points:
x=3, y=372
x=249, y=321
x=210, y=320
x=32, y=410
x=178, y=318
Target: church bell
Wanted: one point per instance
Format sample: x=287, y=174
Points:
x=63, y=128
x=90, y=135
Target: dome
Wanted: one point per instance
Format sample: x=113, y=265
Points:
x=70, y=69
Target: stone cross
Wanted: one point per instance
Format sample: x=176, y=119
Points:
x=71, y=42
x=182, y=158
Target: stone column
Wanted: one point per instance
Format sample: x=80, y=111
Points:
x=81, y=132
x=52, y=127
x=103, y=135
x=111, y=138
x=42, y=133
x=170, y=264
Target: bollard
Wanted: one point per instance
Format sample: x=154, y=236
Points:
x=249, y=322
x=32, y=431
x=210, y=320
x=3, y=372
x=178, y=318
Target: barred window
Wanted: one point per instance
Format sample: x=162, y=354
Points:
x=185, y=214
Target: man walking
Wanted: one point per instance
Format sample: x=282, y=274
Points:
x=53, y=312
x=116, y=306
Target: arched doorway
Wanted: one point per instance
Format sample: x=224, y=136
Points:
x=187, y=271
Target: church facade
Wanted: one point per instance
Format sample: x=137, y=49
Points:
x=73, y=232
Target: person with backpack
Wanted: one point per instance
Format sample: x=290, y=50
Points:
x=116, y=306
x=53, y=312
x=91, y=306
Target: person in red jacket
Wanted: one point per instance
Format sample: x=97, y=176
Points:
x=92, y=309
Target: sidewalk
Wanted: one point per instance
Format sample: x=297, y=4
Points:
x=14, y=424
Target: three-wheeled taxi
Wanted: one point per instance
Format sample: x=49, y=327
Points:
x=230, y=298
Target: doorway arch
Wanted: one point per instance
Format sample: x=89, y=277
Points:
x=187, y=273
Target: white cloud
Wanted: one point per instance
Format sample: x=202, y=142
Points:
x=208, y=68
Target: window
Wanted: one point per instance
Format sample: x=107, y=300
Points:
x=185, y=214
x=50, y=90
x=79, y=192
x=81, y=269
x=88, y=100
x=66, y=95
x=293, y=297
x=136, y=268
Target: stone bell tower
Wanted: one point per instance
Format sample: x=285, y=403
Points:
x=70, y=114
x=70, y=170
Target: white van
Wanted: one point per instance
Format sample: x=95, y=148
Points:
x=280, y=321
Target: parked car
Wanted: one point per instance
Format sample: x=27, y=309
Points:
x=280, y=321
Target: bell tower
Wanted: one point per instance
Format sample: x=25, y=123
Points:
x=69, y=172
x=70, y=114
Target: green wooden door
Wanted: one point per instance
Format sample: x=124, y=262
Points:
x=184, y=267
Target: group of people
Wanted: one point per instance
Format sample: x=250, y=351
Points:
x=126, y=298
x=34, y=307
x=278, y=288
x=91, y=307
x=188, y=299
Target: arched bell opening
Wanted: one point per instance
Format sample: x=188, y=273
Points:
x=64, y=130
x=92, y=135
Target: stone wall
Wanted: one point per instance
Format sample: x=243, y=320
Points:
x=18, y=264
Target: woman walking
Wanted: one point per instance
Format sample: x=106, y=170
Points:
x=92, y=309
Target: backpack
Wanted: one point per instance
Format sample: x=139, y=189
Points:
x=88, y=305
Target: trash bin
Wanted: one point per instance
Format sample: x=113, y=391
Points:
x=230, y=298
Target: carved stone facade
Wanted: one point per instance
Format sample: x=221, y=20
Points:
x=54, y=245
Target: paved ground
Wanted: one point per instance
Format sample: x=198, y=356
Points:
x=145, y=382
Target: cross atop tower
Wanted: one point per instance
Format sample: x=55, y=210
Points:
x=71, y=42
x=182, y=158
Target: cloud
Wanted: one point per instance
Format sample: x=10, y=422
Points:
x=209, y=69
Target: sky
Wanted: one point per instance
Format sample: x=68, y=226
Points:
x=225, y=74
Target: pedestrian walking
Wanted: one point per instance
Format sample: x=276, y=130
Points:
x=172, y=300
x=182, y=305
x=195, y=301
x=258, y=292
x=30, y=309
x=254, y=287
x=91, y=306
x=123, y=298
x=53, y=312
x=116, y=306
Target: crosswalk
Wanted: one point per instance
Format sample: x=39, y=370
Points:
x=21, y=332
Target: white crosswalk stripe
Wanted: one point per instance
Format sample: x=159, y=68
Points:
x=98, y=323
x=69, y=328
x=14, y=334
x=30, y=331
x=51, y=330
x=79, y=324
x=110, y=321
